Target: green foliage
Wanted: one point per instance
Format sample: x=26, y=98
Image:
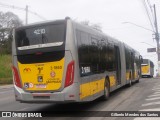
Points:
x=5, y=66
x=6, y=47
x=4, y=81
x=8, y=21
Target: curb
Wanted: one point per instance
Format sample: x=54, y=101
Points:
x=6, y=86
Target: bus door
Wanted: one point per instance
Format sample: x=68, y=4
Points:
x=118, y=64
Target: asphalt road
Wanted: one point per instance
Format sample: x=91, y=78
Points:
x=142, y=96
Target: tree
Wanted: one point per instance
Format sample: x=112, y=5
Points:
x=8, y=21
x=94, y=26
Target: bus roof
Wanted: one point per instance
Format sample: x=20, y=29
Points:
x=80, y=26
x=40, y=23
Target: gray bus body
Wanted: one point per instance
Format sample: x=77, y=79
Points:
x=86, y=59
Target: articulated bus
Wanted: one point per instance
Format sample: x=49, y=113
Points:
x=147, y=68
x=64, y=61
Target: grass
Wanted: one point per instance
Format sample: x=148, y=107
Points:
x=5, y=81
x=5, y=69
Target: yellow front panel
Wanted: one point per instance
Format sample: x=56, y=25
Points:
x=42, y=76
x=91, y=88
x=145, y=69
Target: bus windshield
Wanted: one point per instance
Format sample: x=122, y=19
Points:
x=145, y=61
x=40, y=36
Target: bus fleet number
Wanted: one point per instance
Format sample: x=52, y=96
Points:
x=86, y=70
x=40, y=31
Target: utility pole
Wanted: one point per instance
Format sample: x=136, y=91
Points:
x=26, y=14
x=157, y=38
x=23, y=9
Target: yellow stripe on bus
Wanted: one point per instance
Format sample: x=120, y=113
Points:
x=91, y=88
x=112, y=81
x=127, y=75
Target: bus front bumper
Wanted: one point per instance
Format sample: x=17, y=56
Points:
x=145, y=74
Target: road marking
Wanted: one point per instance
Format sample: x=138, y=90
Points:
x=152, y=103
x=154, y=95
x=156, y=89
x=155, y=98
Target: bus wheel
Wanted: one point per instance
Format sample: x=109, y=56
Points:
x=106, y=90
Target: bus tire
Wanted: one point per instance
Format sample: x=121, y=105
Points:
x=106, y=90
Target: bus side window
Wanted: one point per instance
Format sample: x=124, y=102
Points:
x=111, y=58
x=103, y=56
x=78, y=37
x=94, y=52
x=83, y=53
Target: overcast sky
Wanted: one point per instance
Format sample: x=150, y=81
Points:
x=110, y=14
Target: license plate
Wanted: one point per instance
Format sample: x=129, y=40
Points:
x=41, y=86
